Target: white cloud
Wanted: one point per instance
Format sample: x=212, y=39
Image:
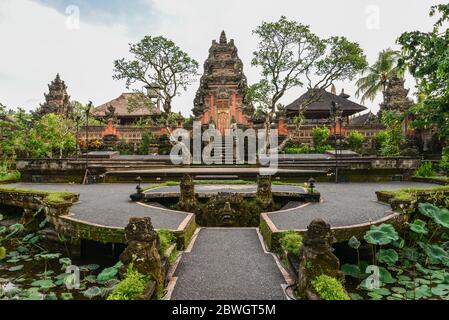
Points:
x=35, y=43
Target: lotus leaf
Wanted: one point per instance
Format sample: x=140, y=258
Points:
x=418, y=226
x=388, y=256
x=382, y=291
x=92, y=292
x=44, y=283
x=398, y=290
x=381, y=235
x=375, y=296
x=353, y=271
x=440, y=216
x=51, y=296
x=385, y=276
x=16, y=268
x=435, y=253
x=440, y=290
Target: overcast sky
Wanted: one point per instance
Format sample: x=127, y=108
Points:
x=39, y=38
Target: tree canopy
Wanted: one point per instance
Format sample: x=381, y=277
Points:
x=426, y=56
x=158, y=62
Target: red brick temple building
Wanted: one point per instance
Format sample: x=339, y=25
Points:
x=220, y=98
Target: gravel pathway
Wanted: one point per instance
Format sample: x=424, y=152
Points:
x=228, y=264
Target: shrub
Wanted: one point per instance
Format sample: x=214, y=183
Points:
x=304, y=149
x=167, y=238
x=323, y=149
x=131, y=287
x=291, y=241
x=320, y=136
x=355, y=140
x=444, y=163
x=329, y=288
x=425, y=170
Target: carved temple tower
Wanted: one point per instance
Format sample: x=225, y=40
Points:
x=57, y=100
x=396, y=99
x=221, y=96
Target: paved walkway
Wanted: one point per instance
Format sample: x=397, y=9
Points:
x=228, y=264
x=342, y=204
x=109, y=205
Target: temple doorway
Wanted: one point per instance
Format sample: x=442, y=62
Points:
x=224, y=117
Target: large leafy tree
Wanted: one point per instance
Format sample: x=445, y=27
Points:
x=374, y=79
x=290, y=55
x=426, y=56
x=50, y=135
x=158, y=61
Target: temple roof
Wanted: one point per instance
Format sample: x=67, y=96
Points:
x=325, y=101
x=122, y=104
x=364, y=120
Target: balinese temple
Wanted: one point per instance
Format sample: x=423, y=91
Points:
x=220, y=102
x=220, y=99
x=56, y=100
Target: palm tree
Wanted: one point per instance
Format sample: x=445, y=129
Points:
x=376, y=77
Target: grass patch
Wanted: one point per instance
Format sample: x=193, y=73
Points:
x=167, y=239
x=47, y=196
x=10, y=177
x=408, y=194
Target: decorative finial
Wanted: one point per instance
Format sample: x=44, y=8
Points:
x=223, y=39
x=333, y=89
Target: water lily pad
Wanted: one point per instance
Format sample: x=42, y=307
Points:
x=109, y=273
x=435, y=253
x=439, y=215
x=352, y=270
x=89, y=267
x=385, y=276
x=439, y=291
x=44, y=283
x=398, y=290
x=375, y=296
x=382, y=291
x=381, y=235
x=16, y=268
x=418, y=226
x=92, y=292
x=91, y=279
x=388, y=256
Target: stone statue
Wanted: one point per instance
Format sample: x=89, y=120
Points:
x=143, y=250
x=264, y=192
x=227, y=209
x=316, y=258
x=187, y=200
